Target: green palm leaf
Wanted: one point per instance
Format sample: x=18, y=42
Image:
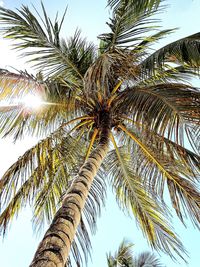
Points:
x=148, y=41
x=139, y=5
x=16, y=85
x=130, y=20
x=168, y=74
x=122, y=257
x=183, y=51
x=193, y=134
x=37, y=161
x=167, y=170
x=52, y=55
x=131, y=196
x=58, y=104
x=168, y=107
x=147, y=259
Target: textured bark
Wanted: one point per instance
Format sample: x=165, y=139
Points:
x=54, y=249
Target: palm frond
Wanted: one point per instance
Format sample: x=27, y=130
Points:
x=58, y=104
x=182, y=73
x=75, y=53
x=193, y=135
x=122, y=257
x=80, y=52
x=167, y=74
x=150, y=40
x=130, y=20
x=181, y=52
x=17, y=85
x=139, y=5
x=58, y=178
x=41, y=161
x=108, y=72
x=20, y=121
x=165, y=170
x=51, y=55
x=147, y=209
x=166, y=107
x=176, y=152
x=35, y=169
x=147, y=259
x=16, y=116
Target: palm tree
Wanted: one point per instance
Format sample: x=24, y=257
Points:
x=124, y=258
x=118, y=111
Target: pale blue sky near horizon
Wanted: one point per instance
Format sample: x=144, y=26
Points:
x=19, y=245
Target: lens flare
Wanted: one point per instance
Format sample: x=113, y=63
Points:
x=32, y=101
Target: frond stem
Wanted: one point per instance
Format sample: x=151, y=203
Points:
x=112, y=97
x=91, y=143
x=162, y=98
x=78, y=126
x=131, y=120
x=116, y=87
x=77, y=119
x=145, y=149
x=82, y=100
x=118, y=155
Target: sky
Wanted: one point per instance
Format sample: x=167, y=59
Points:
x=20, y=243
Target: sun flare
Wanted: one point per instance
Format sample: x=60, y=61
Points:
x=32, y=101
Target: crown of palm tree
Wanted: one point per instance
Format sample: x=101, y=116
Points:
x=124, y=258
x=143, y=98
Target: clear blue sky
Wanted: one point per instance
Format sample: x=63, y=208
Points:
x=17, y=249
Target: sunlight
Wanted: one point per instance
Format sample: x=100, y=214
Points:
x=32, y=101
x=29, y=102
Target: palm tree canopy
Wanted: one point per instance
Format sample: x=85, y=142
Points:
x=145, y=99
x=124, y=258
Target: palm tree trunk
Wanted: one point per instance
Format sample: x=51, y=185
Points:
x=54, y=249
